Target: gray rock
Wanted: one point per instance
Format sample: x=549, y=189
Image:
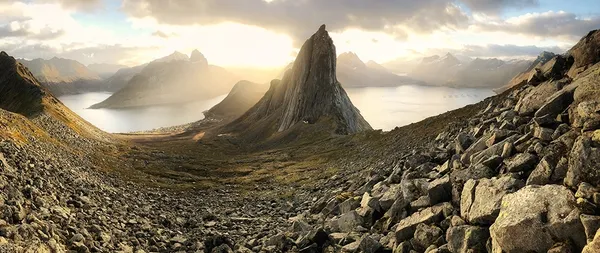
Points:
x=543, y=133
x=556, y=104
x=368, y=201
x=349, y=205
x=390, y=196
x=406, y=227
x=481, y=199
x=369, y=245
x=440, y=190
x=465, y=239
x=349, y=221
x=591, y=223
x=542, y=173
x=521, y=162
x=427, y=235
x=536, y=98
x=585, y=190
x=583, y=162
x=462, y=142
x=495, y=150
x=594, y=246
x=534, y=218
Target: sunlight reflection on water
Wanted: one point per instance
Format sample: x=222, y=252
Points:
x=136, y=119
x=388, y=107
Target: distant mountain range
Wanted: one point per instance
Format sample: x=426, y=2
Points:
x=176, y=78
x=105, y=70
x=63, y=76
x=353, y=72
x=448, y=70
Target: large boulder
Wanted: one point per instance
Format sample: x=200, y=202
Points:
x=481, y=199
x=536, y=98
x=586, y=52
x=534, y=218
x=583, y=163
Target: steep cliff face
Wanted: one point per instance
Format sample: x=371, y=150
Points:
x=309, y=93
x=314, y=91
x=19, y=91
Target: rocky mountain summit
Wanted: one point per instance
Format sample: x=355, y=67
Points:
x=309, y=93
x=63, y=76
x=176, y=78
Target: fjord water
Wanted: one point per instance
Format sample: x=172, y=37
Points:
x=384, y=108
x=388, y=107
x=136, y=119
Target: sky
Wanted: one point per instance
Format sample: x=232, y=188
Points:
x=268, y=33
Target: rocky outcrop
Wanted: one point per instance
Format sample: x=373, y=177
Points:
x=170, y=80
x=19, y=92
x=309, y=93
x=242, y=97
x=585, y=53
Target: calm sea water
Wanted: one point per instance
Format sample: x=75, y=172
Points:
x=136, y=119
x=388, y=107
x=384, y=108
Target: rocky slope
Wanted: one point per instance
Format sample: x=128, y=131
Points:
x=450, y=71
x=520, y=176
x=526, y=74
x=353, y=72
x=173, y=79
x=63, y=76
x=309, y=93
x=242, y=97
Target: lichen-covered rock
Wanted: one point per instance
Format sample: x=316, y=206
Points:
x=583, y=163
x=465, y=238
x=481, y=199
x=534, y=218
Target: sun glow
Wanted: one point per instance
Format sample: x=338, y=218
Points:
x=225, y=44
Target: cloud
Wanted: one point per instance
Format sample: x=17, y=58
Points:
x=546, y=24
x=163, y=35
x=126, y=55
x=301, y=18
x=85, y=5
x=24, y=29
x=496, y=6
x=495, y=50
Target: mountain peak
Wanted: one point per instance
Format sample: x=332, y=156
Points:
x=350, y=59
x=309, y=93
x=196, y=56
